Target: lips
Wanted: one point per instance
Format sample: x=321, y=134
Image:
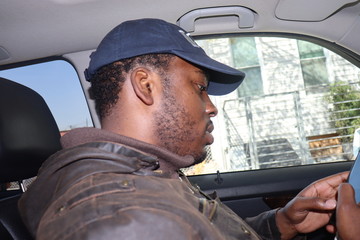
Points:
x=209, y=129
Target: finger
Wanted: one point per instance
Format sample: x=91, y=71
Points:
x=303, y=204
x=325, y=186
x=346, y=195
x=331, y=228
x=335, y=179
x=326, y=204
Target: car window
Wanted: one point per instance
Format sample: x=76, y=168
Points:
x=57, y=82
x=299, y=104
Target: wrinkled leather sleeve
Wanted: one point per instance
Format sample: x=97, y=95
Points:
x=265, y=225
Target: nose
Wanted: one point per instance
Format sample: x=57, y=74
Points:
x=211, y=109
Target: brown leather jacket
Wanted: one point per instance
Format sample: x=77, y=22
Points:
x=106, y=186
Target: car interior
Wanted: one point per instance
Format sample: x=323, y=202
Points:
x=262, y=162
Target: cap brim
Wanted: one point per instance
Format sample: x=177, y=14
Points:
x=222, y=84
x=223, y=79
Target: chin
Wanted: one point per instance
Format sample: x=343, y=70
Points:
x=200, y=157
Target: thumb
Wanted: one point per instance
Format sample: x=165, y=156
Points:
x=328, y=204
x=346, y=195
x=300, y=207
x=318, y=204
x=347, y=213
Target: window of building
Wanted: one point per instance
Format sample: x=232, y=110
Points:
x=313, y=64
x=245, y=58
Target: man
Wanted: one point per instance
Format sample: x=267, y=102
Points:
x=150, y=82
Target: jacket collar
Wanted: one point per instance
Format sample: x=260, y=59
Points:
x=167, y=162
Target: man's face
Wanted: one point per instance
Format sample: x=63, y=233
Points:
x=183, y=124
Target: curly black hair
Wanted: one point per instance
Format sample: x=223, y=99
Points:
x=107, y=82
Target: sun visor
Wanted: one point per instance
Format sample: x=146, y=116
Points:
x=308, y=10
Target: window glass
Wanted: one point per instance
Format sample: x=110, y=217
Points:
x=59, y=85
x=244, y=52
x=252, y=85
x=299, y=104
x=245, y=58
x=309, y=50
x=313, y=64
x=314, y=72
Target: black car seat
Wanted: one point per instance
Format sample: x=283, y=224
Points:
x=28, y=136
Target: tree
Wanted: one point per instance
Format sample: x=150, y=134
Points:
x=345, y=111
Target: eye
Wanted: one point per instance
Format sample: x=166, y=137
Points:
x=201, y=87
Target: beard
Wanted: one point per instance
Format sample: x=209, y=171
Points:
x=175, y=129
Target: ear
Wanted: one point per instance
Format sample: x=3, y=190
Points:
x=142, y=80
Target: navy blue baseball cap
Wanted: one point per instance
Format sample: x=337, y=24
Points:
x=146, y=36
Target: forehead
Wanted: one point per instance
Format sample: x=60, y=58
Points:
x=185, y=68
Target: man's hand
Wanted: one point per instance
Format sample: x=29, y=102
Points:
x=311, y=208
x=347, y=214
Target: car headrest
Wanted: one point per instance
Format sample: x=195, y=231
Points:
x=28, y=132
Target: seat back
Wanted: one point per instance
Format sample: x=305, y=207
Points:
x=28, y=136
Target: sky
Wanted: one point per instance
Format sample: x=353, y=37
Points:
x=57, y=82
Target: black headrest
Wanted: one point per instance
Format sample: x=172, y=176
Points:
x=28, y=132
